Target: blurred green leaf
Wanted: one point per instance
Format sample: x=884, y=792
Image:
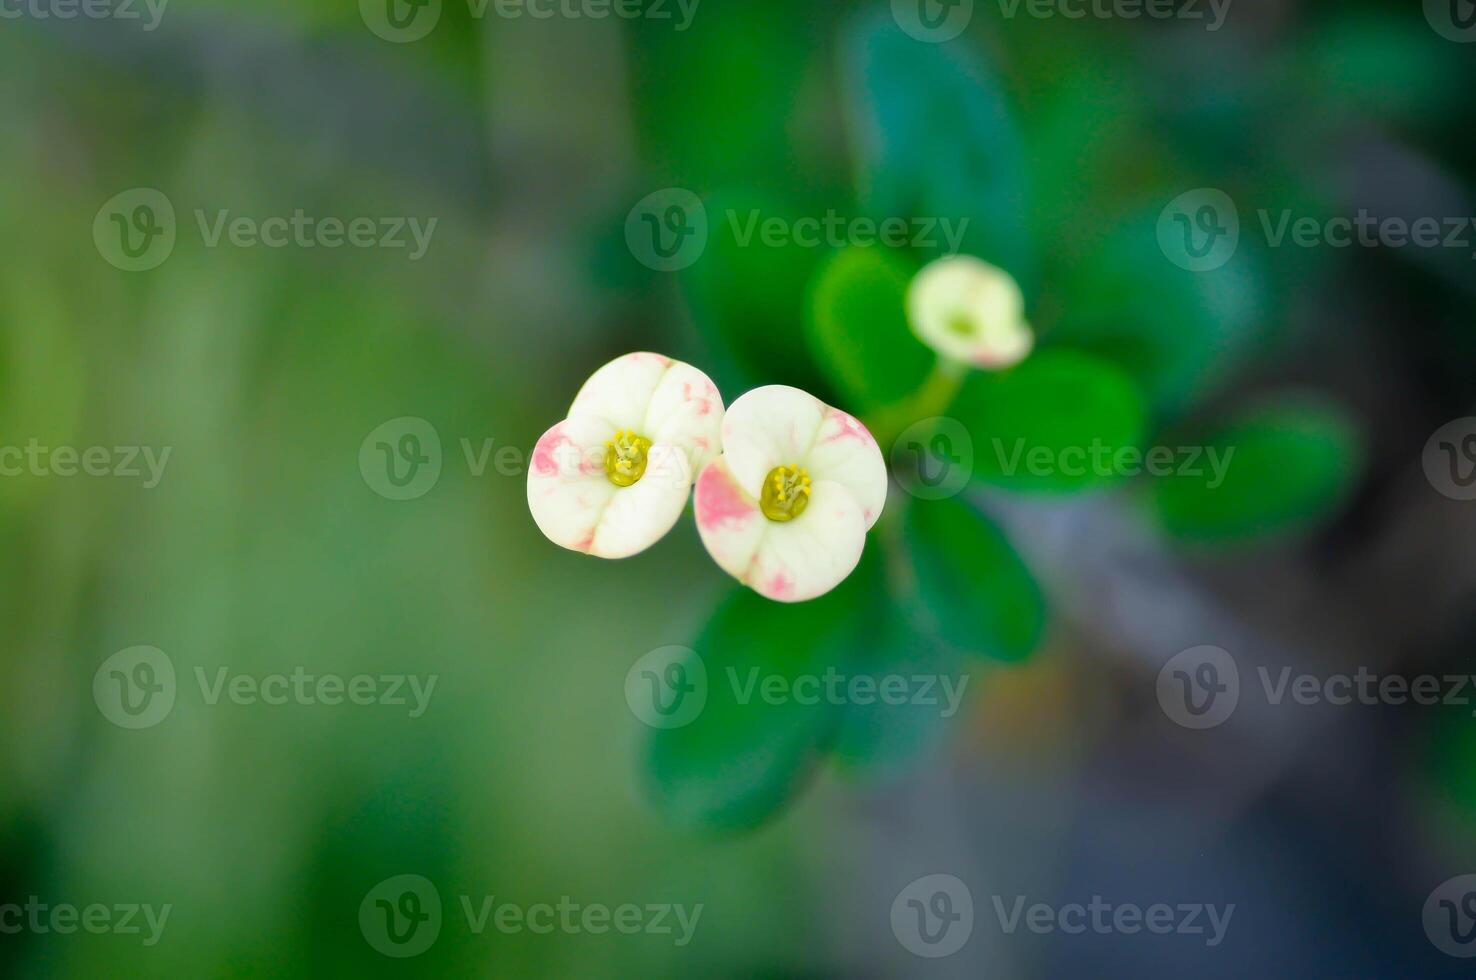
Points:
x=933, y=137
x=1176, y=332
x=744, y=756
x=1286, y=466
x=748, y=297
x=970, y=588
x=1052, y=423
x=881, y=739
x=857, y=327
x=1378, y=64
x=699, y=124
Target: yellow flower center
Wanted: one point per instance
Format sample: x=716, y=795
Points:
x=625, y=458
x=786, y=493
x=962, y=324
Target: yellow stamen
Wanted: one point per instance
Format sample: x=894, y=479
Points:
x=625, y=458
x=786, y=493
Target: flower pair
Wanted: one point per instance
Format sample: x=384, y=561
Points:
x=786, y=486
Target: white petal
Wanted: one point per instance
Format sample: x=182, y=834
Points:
x=620, y=392
x=789, y=562
x=640, y=515
x=567, y=486
x=782, y=426
x=767, y=427
x=728, y=518
x=576, y=506
x=845, y=452
x=686, y=410
x=969, y=311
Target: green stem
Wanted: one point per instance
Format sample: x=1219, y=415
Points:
x=932, y=398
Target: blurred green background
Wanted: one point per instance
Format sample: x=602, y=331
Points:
x=265, y=548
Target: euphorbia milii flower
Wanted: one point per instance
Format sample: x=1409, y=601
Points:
x=786, y=508
x=613, y=477
x=970, y=312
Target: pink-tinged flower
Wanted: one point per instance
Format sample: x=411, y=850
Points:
x=970, y=312
x=786, y=508
x=613, y=477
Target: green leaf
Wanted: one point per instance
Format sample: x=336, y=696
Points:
x=857, y=327
x=744, y=756
x=748, y=297
x=1178, y=333
x=1284, y=466
x=933, y=138
x=969, y=587
x=1052, y=423
x=880, y=739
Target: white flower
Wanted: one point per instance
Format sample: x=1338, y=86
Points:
x=969, y=311
x=786, y=508
x=613, y=477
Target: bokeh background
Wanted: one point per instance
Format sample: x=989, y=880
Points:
x=265, y=548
